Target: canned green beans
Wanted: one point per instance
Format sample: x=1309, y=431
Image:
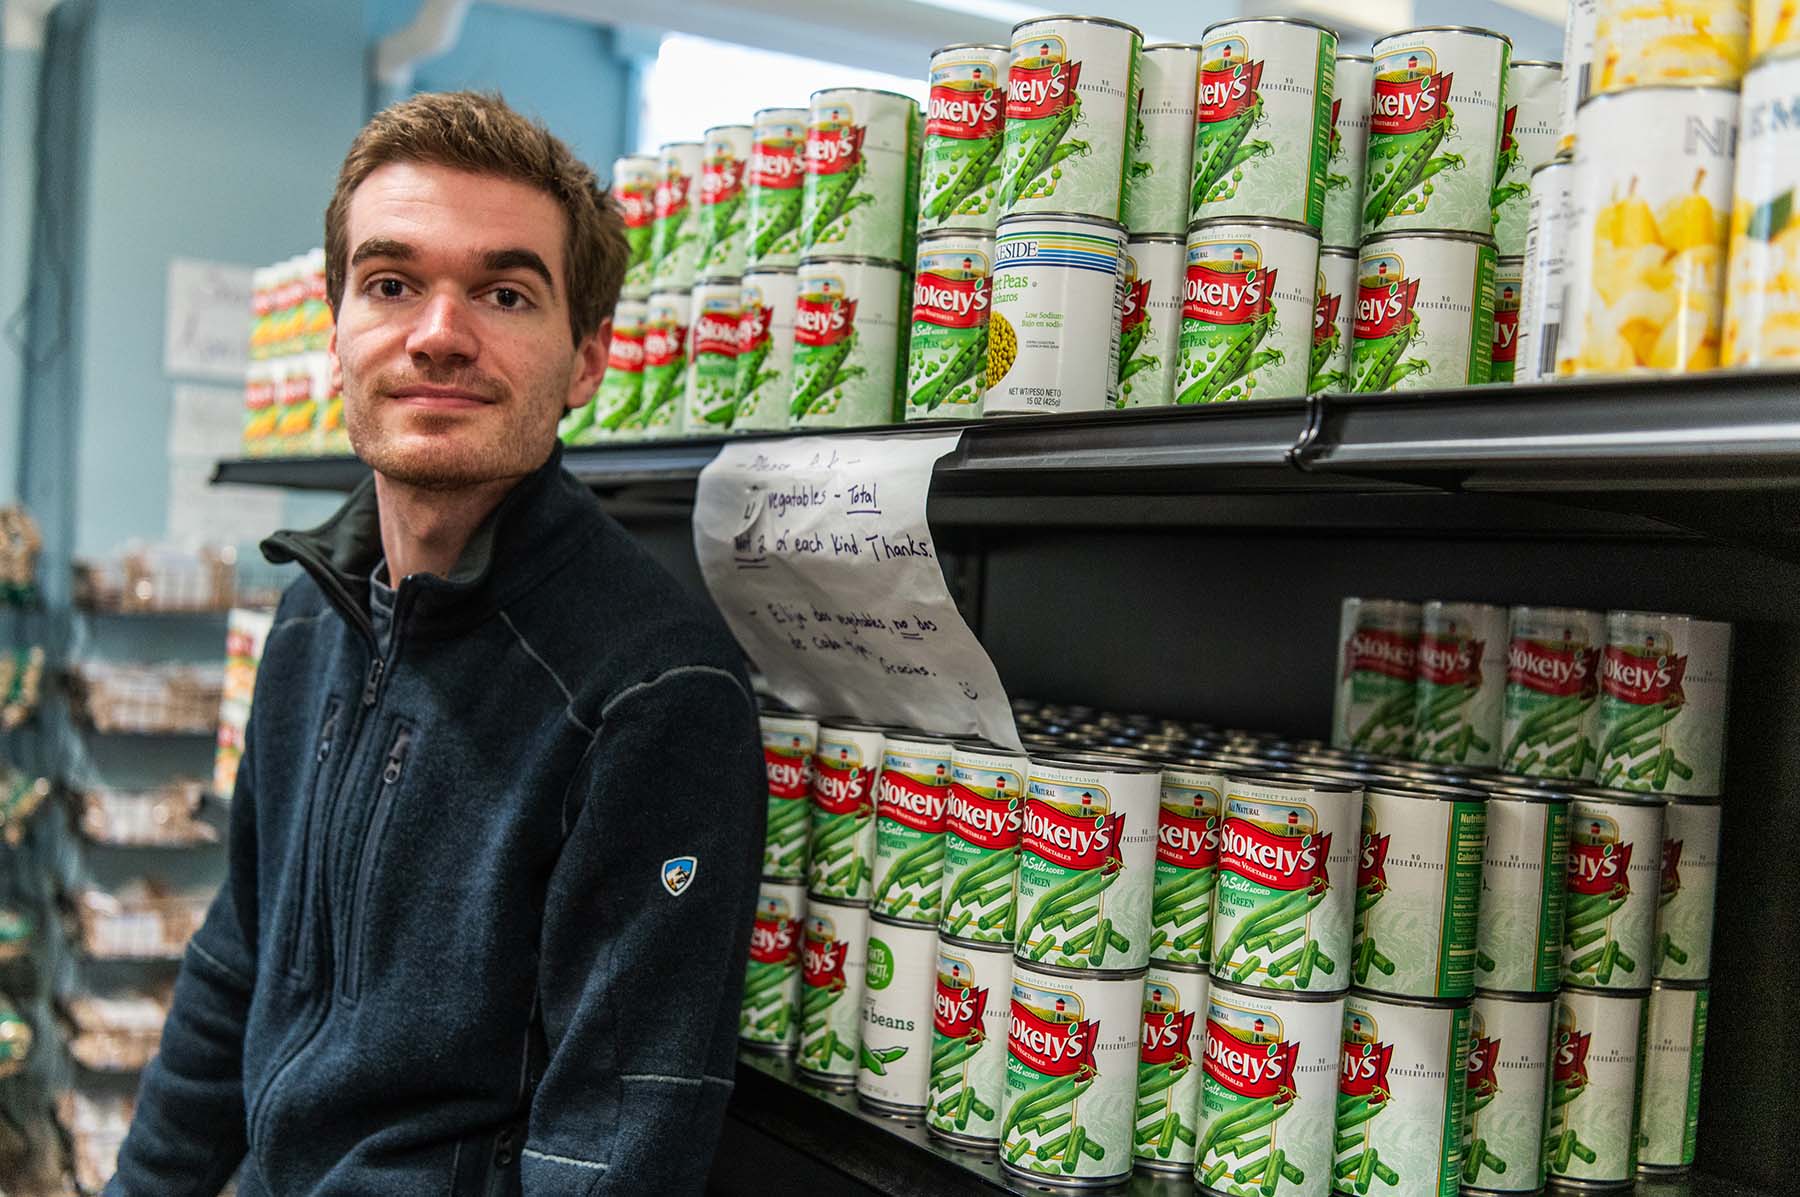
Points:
x=965, y=125
x=1546, y=269
x=1690, y=877
x=1418, y=886
x=1057, y=283
x=970, y=1018
x=1246, y=313
x=1462, y=684
x=1508, y=1091
x=1334, y=322
x=769, y=1017
x=842, y=840
x=1377, y=672
x=1669, y=1113
x=909, y=828
x=832, y=963
x=1170, y=1050
x=622, y=388
x=1524, y=872
x=633, y=189
x=662, y=411
x=1071, y=117
x=1664, y=680
x=675, y=228
x=1400, y=1095
x=846, y=343
x=1424, y=308
x=712, y=360
x=894, y=1060
x=1350, y=87
x=1527, y=140
x=1615, y=867
x=1552, y=686
x=983, y=816
x=947, y=354
x=725, y=157
x=1187, y=863
x=1596, y=1086
x=1150, y=320
x=1509, y=281
x=788, y=743
x=765, y=361
x=773, y=187
x=860, y=187
x=1162, y=159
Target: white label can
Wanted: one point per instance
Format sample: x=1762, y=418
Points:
x=1334, y=322
x=1524, y=872
x=1150, y=320
x=1424, y=312
x=1527, y=141
x=1690, y=878
x=773, y=186
x=982, y=825
x=970, y=1019
x=861, y=184
x=1418, y=886
x=1762, y=302
x=965, y=125
x=946, y=356
x=1187, y=864
x=724, y=160
x=909, y=828
x=1596, y=1085
x=1546, y=271
x=1247, y=307
x=847, y=343
x=894, y=1060
x=1552, y=688
x=1509, y=280
x=1462, y=684
x=622, y=388
x=1400, y=1095
x=788, y=743
x=1170, y=1051
x=769, y=1017
x=1639, y=43
x=1578, y=68
x=1615, y=875
x=712, y=360
x=1669, y=1115
x=1376, y=677
x=1664, y=680
x=1162, y=158
x=765, y=362
x=1508, y=1090
x=832, y=963
x=675, y=231
x=1059, y=284
x=1350, y=89
x=662, y=412
x=633, y=189
x=841, y=847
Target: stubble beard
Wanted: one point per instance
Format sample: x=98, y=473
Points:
x=510, y=446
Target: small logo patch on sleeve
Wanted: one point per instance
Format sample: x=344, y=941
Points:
x=678, y=874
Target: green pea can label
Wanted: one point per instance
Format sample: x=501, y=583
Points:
x=1170, y=1054
x=1058, y=280
x=1071, y=1075
x=846, y=343
x=1669, y=1114
x=1424, y=312
x=1400, y=1096
x=615, y=404
x=769, y=1017
x=1187, y=864
x=833, y=961
x=1509, y=282
x=1150, y=320
x=1377, y=674
x=946, y=356
x=765, y=360
x=894, y=1061
x=1418, y=888
x=1596, y=1086
x=725, y=158
x=1524, y=868
x=1615, y=880
x=1287, y=868
x=1690, y=878
x=1248, y=302
x=1350, y=87
x=909, y=828
x=1552, y=688
x=861, y=183
x=1528, y=134
x=1071, y=118
x=633, y=190
x=662, y=412
x=1508, y=1091
x=712, y=360
x=675, y=227
x=970, y=1019
x=1334, y=322
x=965, y=127
x=1435, y=116
x=773, y=186
x=1546, y=269
x=1163, y=154
x=1663, y=685
x=1267, y=1086
x=1462, y=684
x=983, y=821
x=1262, y=121
x=788, y=743
x=841, y=847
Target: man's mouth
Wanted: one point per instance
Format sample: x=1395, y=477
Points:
x=434, y=398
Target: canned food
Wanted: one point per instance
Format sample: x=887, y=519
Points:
x=1351, y=85
x=1528, y=134
x=1596, y=1086
x=788, y=743
x=1762, y=303
x=859, y=192
x=1507, y=1093
x=946, y=370
x=718, y=308
x=841, y=848
x=1675, y=1046
x=1071, y=1075
x=1400, y=1094
x=1615, y=865
x=726, y=156
x=675, y=228
x=1267, y=1087
x=1435, y=120
x=1088, y=859
x=965, y=125
x=1057, y=279
x=1772, y=26
x=1664, y=680
x=1150, y=321
x=1547, y=238
x=970, y=1019
x=633, y=190
x=1287, y=854
x=1462, y=684
x=909, y=828
x=1156, y=198
x=1552, y=686
x=773, y=186
x=1250, y=286
x=983, y=818
x=1417, y=898
x=894, y=1061
x=832, y=963
x=769, y=1017
x=1579, y=68
x=1334, y=322
x=1067, y=71
x=1424, y=305
x=1377, y=672
x=1690, y=877
x=1187, y=864
x=622, y=387
x=1271, y=77
x=1524, y=872
x=1170, y=1051
x=1641, y=43
x=846, y=343
x=661, y=410
x=765, y=361
x=1509, y=280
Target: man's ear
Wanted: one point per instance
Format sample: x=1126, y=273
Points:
x=590, y=366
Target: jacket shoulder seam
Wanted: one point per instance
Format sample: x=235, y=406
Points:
x=214, y=961
x=568, y=694
x=568, y=1160
x=678, y=671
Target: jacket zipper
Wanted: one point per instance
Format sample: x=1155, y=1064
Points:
x=367, y=854
x=321, y=779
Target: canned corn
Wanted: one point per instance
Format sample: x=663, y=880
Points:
x=788, y=743
x=1334, y=322
x=1547, y=238
x=1508, y=1091
x=860, y=184
x=773, y=186
x=1615, y=866
x=946, y=369
x=1424, y=308
x=1156, y=201
x=982, y=820
x=1596, y=1086
x=909, y=827
x=1418, y=887
x=769, y=1016
x=725, y=155
x=1664, y=680
x=1377, y=671
x=970, y=1019
x=1170, y=1050
x=965, y=124
x=675, y=231
x=1690, y=877
x=841, y=846
x=846, y=343
x=1351, y=84
x=1056, y=280
x=1150, y=320
x=1247, y=303
x=1400, y=1094
x=765, y=361
x=633, y=190
x=894, y=1059
x=833, y=961
x=662, y=411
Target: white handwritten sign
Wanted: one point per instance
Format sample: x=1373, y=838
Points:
x=206, y=326
x=819, y=555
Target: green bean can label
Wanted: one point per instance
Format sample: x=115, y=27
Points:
x=724, y=161
x=1150, y=320
x=965, y=127
x=1071, y=118
x=1071, y=1075
x=622, y=387
x=1187, y=865
x=1435, y=116
x=675, y=227
x=1528, y=134
x=1615, y=879
x=1418, y=887
x=712, y=362
x=1334, y=322
x=970, y=1019
x=1690, y=878
x=1170, y=1054
x=1162, y=160
x=770, y=1013
x=662, y=411
x=1058, y=289
x=1669, y=1115
x=1377, y=674
x=842, y=843
x=773, y=186
x=846, y=343
x=983, y=821
x=894, y=1061
x=1509, y=281
x=909, y=829
x=788, y=743
x=1350, y=88
x=1462, y=684
x=1400, y=1096
x=833, y=961
x=1424, y=313
x=765, y=360
x=1663, y=685
x=1518, y=937
x=1262, y=121
x=1552, y=687
x=634, y=191
x=1596, y=1085
x=946, y=367
x=1247, y=308
x=860, y=184
x=1508, y=1091
x=1268, y=1081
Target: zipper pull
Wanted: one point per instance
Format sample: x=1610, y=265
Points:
x=372, y=686
x=396, y=759
x=326, y=738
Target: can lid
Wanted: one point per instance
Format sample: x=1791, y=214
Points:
x=1297, y=779
x=1022, y=965
x=1269, y=21
x=1531, y=997
x=844, y=723
x=1268, y=222
x=1559, y=160
x=1117, y=762
x=1430, y=235
x=1700, y=986
x=1663, y=617
x=678, y=145
x=949, y=233
x=1522, y=789
x=867, y=91
x=889, y=921
x=1026, y=24
x=1077, y=217
x=1475, y=29
x=1725, y=87
x=829, y=259
x=1537, y=62
x=718, y=280
x=971, y=46
x=781, y=108
x=1368, y=58
x=1437, y=791
x=1278, y=995
x=1146, y=238
x=982, y=746
x=1369, y=996
x=750, y=270
x=711, y=129
x=1195, y=47
x=1517, y=260
x=1339, y=251
x=1599, y=992
x=1594, y=793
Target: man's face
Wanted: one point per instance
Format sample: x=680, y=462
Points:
x=452, y=342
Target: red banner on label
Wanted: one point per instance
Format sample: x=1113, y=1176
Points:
x=910, y=802
x=787, y=774
x=715, y=336
x=1051, y=1048
x=775, y=167
x=1137, y=305
x=949, y=302
x=1384, y=308
x=1506, y=131
x=1642, y=681
x=1325, y=316
x=1365, y=1070
x=1371, y=865
x=1227, y=91
x=1227, y=296
x=774, y=941
x=963, y=113
x=1450, y=662
x=823, y=321
x=637, y=206
x=663, y=345
x=1081, y=842
x=1671, y=868
x=1408, y=105
x=1187, y=841
x=672, y=196
x=721, y=181
x=1483, y=1080
x=1570, y=1066
x=957, y=1014
x=625, y=352
x=1600, y=869
x=1372, y=650
x=1285, y=862
x=1033, y=93
x=753, y=327
x=822, y=963
x=833, y=151
x=992, y=823
x=1551, y=669
x=1165, y=1037
x=838, y=791
x=1250, y=1069
x=1506, y=334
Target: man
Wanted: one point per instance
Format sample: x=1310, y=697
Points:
x=496, y=831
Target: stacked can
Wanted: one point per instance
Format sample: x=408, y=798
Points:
x=710, y=395
x=611, y=412
x=1376, y=677
x=662, y=410
x=1664, y=681
x=1457, y=718
x=1541, y=294
x=1762, y=300
x=771, y=185
x=1552, y=714
x=770, y=1016
x=633, y=192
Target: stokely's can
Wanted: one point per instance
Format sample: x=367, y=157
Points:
x=765, y=361
x=1287, y=876
x=1350, y=87
x=1262, y=122
x=725, y=159
x=1615, y=874
x=1664, y=680
x=788, y=743
x=983, y=818
x=1267, y=1089
x=1058, y=286
x=1424, y=309
x=1690, y=878
x=773, y=186
x=841, y=846
x=1641, y=44
x=833, y=959
x=622, y=387
x=718, y=308
x=662, y=410
x=1067, y=72
x=1418, y=888
x=1187, y=863
x=1334, y=322
x=861, y=184
x=1156, y=200
x=1547, y=243
x=769, y=1018
x=946, y=355
x=965, y=124
x=1596, y=1086
x=1524, y=874
x=1669, y=1113
x=1462, y=684
x=675, y=227
x=1171, y=1049
x=1552, y=687
x=846, y=343
x=1578, y=68
x=894, y=1061
x=909, y=827
x=1400, y=1094
x=1435, y=119
x=1508, y=1091
x=1509, y=281
x=1377, y=672
x=1087, y=862
x=1150, y=320
x=633, y=190
x=1762, y=300
x=970, y=1018
x=1247, y=304
x=1528, y=135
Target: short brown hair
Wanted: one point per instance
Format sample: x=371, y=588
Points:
x=479, y=133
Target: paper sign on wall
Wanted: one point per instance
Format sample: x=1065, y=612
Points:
x=206, y=329
x=819, y=555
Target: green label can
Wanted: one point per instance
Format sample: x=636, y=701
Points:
x=833, y=959
x=1552, y=686
x=1262, y=120
x=788, y=743
x=723, y=216
x=1418, y=888
x=1334, y=322
x=965, y=126
x=1690, y=877
x=1163, y=154
x=909, y=828
x=861, y=183
x=1187, y=863
x=1596, y=1086
x=712, y=360
x=846, y=343
x=1377, y=676
x=1508, y=1091
x=1150, y=320
x=946, y=356
x=675, y=227
x=1528, y=134
x=662, y=412
x=772, y=186
x=765, y=361
x=1509, y=283
x=1462, y=684
x=1400, y=1095
x=983, y=819
x=1350, y=88
x=1519, y=932
x=633, y=190
x=1248, y=302
x=1669, y=1115
x=1663, y=685
x=1171, y=1049
x=1615, y=875
x=894, y=1061
x=970, y=1020
x=622, y=386
x=769, y=1017
x=1058, y=280
x=1424, y=312
x=841, y=846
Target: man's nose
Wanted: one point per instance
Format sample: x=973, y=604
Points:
x=444, y=331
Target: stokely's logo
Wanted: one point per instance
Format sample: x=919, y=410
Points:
x=951, y=300
x=958, y=1009
x=1450, y=661
x=1364, y=1065
x=625, y=352
x=1597, y=867
x=1284, y=862
x=1042, y=82
x=1408, y=93
x=910, y=802
x=1187, y=838
x=775, y=165
x=1250, y=1069
x=1226, y=283
x=774, y=940
x=753, y=326
x=1089, y=840
x=1325, y=314
x=1137, y=300
x=637, y=204
x=822, y=958
x=834, y=145
x=1374, y=650
x=671, y=193
x=992, y=823
x=1166, y=1029
x=664, y=344
x=1384, y=297
x=1506, y=129
x=1051, y=1048
x=1569, y=1066
x=1371, y=863
x=788, y=775
x=1506, y=324
x=842, y=790
x=1558, y=670
x=823, y=319
x=1671, y=868
x=721, y=179
x=716, y=333
x=1642, y=680
x=964, y=103
x=1484, y=1080
x=1228, y=81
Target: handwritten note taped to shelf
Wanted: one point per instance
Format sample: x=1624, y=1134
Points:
x=818, y=552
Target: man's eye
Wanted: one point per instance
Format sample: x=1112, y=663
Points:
x=506, y=297
x=390, y=288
